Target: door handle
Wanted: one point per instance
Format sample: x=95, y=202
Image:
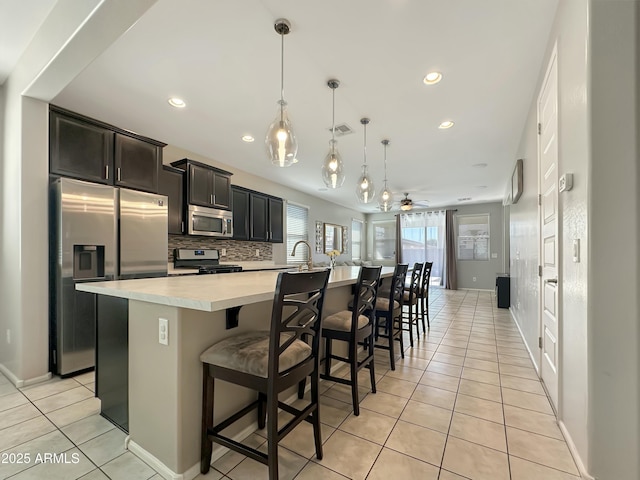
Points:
x=552, y=280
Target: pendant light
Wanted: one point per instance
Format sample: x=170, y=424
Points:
x=332, y=168
x=365, y=189
x=280, y=141
x=386, y=197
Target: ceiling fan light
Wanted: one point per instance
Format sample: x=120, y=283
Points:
x=405, y=207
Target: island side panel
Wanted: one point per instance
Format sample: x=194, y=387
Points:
x=154, y=420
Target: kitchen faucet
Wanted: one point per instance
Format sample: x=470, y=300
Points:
x=310, y=261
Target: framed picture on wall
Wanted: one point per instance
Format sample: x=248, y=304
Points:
x=516, y=182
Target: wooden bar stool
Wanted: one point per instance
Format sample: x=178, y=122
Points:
x=410, y=300
x=354, y=327
x=389, y=310
x=424, y=294
x=269, y=362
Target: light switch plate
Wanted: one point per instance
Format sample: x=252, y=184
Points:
x=565, y=182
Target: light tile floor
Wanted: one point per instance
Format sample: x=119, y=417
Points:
x=464, y=403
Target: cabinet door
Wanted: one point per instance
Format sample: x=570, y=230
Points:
x=221, y=191
x=276, y=220
x=258, y=207
x=137, y=163
x=80, y=149
x=240, y=203
x=170, y=183
x=200, y=186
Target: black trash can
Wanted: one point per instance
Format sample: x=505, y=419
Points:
x=503, y=290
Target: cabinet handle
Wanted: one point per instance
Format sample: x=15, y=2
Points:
x=182, y=227
x=211, y=197
x=214, y=199
x=118, y=173
x=106, y=172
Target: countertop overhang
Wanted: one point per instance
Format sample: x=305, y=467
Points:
x=210, y=293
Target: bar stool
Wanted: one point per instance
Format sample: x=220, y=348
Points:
x=424, y=294
x=354, y=327
x=389, y=310
x=269, y=362
x=410, y=300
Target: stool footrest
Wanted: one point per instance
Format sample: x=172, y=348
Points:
x=233, y=418
x=231, y=444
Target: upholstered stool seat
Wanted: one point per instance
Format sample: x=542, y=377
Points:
x=249, y=353
x=342, y=321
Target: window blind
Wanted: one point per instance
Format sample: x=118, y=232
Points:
x=356, y=239
x=297, y=229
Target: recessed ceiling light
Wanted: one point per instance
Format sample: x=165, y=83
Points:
x=479, y=165
x=446, y=124
x=177, y=102
x=247, y=138
x=432, y=78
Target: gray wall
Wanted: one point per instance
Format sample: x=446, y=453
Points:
x=484, y=271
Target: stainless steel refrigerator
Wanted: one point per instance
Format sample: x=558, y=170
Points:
x=97, y=233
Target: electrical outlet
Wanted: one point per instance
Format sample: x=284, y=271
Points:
x=257, y=252
x=474, y=279
x=163, y=331
x=8, y=336
x=223, y=252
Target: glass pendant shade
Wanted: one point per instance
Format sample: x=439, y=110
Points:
x=386, y=199
x=365, y=190
x=332, y=168
x=281, y=142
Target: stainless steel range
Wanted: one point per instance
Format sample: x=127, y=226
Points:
x=207, y=261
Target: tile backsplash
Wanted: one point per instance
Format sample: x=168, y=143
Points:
x=237, y=250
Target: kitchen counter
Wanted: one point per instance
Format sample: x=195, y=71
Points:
x=165, y=381
x=209, y=293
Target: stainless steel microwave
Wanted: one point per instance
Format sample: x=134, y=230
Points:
x=209, y=221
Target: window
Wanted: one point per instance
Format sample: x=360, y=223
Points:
x=423, y=240
x=473, y=237
x=384, y=240
x=297, y=229
x=356, y=239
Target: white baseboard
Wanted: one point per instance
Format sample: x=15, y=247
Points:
x=524, y=340
x=574, y=452
x=23, y=383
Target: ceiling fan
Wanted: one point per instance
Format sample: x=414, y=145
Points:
x=407, y=204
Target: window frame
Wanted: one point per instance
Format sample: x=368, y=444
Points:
x=302, y=254
x=360, y=243
x=475, y=240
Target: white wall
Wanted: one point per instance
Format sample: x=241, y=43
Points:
x=570, y=32
x=64, y=45
x=319, y=210
x=614, y=231
x=598, y=107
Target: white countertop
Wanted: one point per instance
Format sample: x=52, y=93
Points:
x=209, y=293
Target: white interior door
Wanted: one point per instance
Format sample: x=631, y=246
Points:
x=548, y=212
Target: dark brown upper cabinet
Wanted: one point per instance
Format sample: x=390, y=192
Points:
x=206, y=186
x=91, y=150
x=171, y=184
x=257, y=216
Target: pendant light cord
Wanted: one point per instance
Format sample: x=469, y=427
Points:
x=365, y=146
x=333, y=118
x=282, y=76
x=385, y=166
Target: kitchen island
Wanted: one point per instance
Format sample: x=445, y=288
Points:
x=165, y=381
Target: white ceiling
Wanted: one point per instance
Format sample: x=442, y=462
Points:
x=223, y=59
x=19, y=21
